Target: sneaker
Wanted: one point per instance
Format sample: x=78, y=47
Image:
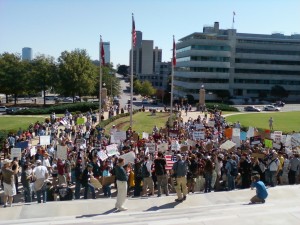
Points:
x=123, y=209
x=4, y=206
x=158, y=196
x=263, y=201
x=178, y=200
x=184, y=198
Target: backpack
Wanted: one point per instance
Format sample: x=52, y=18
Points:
x=145, y=172
x=234, y=169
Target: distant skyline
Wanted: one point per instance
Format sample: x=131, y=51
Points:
x=52, y=26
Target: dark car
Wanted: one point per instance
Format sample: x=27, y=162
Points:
x=251, y=108
x=279, y=104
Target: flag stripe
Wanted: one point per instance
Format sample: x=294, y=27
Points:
x=174, y=52
x=133, y=32
x=170, y=159
x=102, y=54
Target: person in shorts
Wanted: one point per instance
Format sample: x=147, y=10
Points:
x=8, y=180
x=261, y=190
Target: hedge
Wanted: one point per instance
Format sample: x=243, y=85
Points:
x=74, y=107
x=220, y=106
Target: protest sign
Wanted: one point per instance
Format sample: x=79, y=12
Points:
x=227, y=145
x=112, y=150
x=16, y=153
x=283, y=139
x=228, y=132
x=120, y=136
x=258, y=155
x=276, y=145
x=32, y=151
x=22, y=144
x=184, y=148
x=236, y=132
x=80, y=121
x=199, y=126
x=102, y=155
x=162, y=147
x=295, y=140
x=62, y=152
x=277, y=136
x=128, y=157
x=236, y=140
x=151, y=147
x=199, y=135
x=175, y=145
x=268, y=143
x=255, y=140
x=211, y=123
x=135, y=137
x=243, y=135
x=288, y=140
x=145, y=135
x=250, y=132
x=44, y=140
x=191, y=143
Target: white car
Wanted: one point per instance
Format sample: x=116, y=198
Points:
x=271, y=108
x=3, y=108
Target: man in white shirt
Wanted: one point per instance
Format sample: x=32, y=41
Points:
x=41, y=174
x=147, y=176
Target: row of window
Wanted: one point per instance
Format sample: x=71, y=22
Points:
x=202, y=69
x=151, y=77
x=201, y=80
x=264, y=61
x=203, y=58
x=260, y=71
x=268, y=42
x=204, y=47
x=267, y=52
x=274, y=82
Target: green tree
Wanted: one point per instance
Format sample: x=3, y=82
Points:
x=77, y=74
x=279, y=92
x=43, y=75
x=222, y=94
x=13, y=75
x=137, y=86
x=123, y=70
x=147, y=89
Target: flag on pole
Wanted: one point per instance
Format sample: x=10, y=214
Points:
x=174, y=52
x=133, y=32
x=233, y=17
x=102, y=53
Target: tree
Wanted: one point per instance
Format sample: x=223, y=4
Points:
x=43, y=75
x=13, y=75
x=222, y=94
x=147, y=89
x=123, y=70
x=190, y=99
x=77, y=74
x=279, y=92
x=137, y=86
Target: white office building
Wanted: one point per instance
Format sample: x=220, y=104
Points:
x=247, y=65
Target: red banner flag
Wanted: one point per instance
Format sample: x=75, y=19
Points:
x=102, y=54
x=174, y=52
x=133, y=32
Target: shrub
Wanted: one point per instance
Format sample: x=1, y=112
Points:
x=220, y=106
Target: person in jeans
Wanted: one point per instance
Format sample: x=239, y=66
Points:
x=261, y=191
x=230, y=178
x=26, y=176
x=208, y=171
x=78, y=178
x=107, y=188
x=179, y=170
x=273, y=166
x=122, y=178
x=161, y=174
x=147, y=177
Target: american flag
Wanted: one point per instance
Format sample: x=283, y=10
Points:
x=171, y=159
x=174, y=52
x=102, y=53
x=133, y=32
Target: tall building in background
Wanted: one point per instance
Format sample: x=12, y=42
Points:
x=27, y=53
x=106, y=46
x=245, y=65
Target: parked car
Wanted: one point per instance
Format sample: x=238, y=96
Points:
x=145, y=101
x=271, y=108
x=279, y=104
x=251, y=108
x=3, y=108
x=13, y=110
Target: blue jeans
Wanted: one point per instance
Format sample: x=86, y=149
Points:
x=27, y=194
x=230, y=182
x=77, y=189
x=41, y=192
x=271, y=178
x=86, y=188
x=107, y=190
x=208, y=178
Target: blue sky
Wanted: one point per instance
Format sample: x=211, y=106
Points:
x=52, y=26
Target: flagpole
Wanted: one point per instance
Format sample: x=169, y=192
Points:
x=131, y=74
x=172, y=82
x=100, y=80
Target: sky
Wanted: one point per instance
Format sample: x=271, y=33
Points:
x=52, y=26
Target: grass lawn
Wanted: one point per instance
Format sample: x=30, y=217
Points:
x=142, y=121
x=14, y=122
x=283, y=121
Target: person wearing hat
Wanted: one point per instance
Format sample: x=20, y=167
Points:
x=179, y=171
x=8, y=180
x=40, y=172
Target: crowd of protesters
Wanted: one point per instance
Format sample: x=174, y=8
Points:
x=201, y=167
